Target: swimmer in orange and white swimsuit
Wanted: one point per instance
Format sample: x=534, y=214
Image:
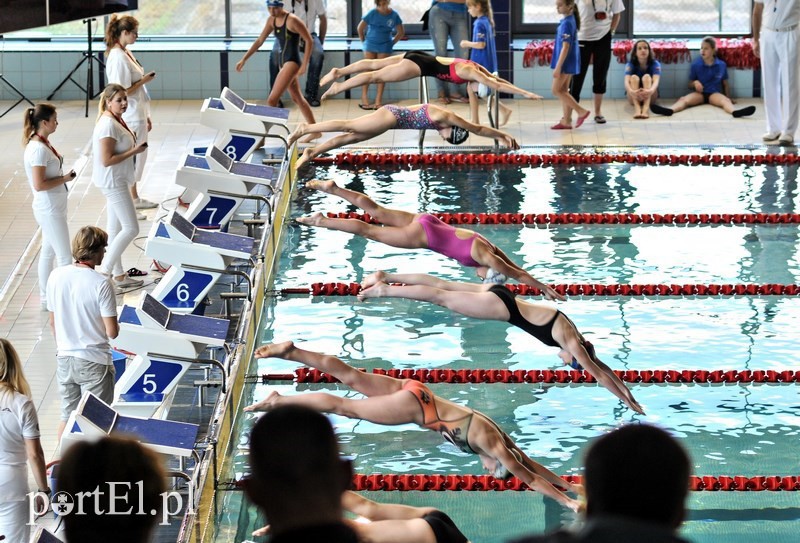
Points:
x=400, y=401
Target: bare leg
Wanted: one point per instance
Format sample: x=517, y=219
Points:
x=398, y=71
x=365, y=88
x=505, y=114
x=305, y=109
x=364, y=65
x=385, y=215
x=380, y=87
x=407, y=237
x=635, y=85
x=647, y=82
x=474, y=113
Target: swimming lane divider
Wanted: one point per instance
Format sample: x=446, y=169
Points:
x=589, y=289
x=547, y=376
x=556, y=159
x=599, y=218
x=487, y=483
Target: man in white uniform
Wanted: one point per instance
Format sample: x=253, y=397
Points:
x=599, y=21
x=308, y=11
x=83, y=316
x=776, y=29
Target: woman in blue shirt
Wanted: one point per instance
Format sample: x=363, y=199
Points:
x=708, y=80
x=378, y=31
x=642, y=75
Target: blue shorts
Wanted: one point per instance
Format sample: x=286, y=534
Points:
x=378, y=47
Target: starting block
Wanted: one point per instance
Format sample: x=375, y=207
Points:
x=147, y=387
x=198, y=258
x=242, y=127
x=221, y=183
x=95, y=419
x=152, y=327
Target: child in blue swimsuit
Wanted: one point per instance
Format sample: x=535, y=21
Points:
x=708, y=80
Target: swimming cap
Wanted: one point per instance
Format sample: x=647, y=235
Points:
x=494, y=277
x=458, y=135
x=274, y=3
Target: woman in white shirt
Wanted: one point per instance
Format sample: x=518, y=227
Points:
x=43, y=166
x=113, y=147
x=123, y=68
x=19, y=442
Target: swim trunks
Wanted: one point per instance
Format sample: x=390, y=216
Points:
x=408, y=119
x=453, y=431
x=543, y=333
x=444, y=529
x=442, y=239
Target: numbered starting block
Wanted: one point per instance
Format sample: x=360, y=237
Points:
x=243, y=127
x=178, y=242
x=153, y=328
x=148, y=385
x=222, y=184
x=95, y=419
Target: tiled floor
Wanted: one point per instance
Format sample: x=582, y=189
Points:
x=177, y=128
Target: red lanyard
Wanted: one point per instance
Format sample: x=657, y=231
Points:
x=47, y=143
x=86, y=263
x=125, y=126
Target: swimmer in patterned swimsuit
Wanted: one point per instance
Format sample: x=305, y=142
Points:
x=422, y=231
x=402, y=401
x=395, y=523
x=289, y=30
x=416, y=64
x=496, y=302
x=453, y=128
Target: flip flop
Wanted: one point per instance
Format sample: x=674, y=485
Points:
x=582, y=118
x=136, y=272
x=599, y=119
x=560, y=126
x=367, y=107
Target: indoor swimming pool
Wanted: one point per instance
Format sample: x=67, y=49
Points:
x=729, y=429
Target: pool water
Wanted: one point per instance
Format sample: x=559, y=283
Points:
x=728, y=429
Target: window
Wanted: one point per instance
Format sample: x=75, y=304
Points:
x=248, y=16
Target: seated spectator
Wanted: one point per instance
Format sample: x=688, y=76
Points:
x=615, y=511
x=129, y=478
x=708, y=80
x=642, y=74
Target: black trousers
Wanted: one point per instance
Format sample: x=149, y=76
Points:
x=601, y=51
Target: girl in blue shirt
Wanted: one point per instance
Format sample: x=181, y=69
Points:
x=642, y=74
x=378, y=31
x=566, y=63
x=708, y=79
x=483, y=52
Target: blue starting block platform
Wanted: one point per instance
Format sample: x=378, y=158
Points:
x=44, y=536
x=96, y=419
x=176, y=234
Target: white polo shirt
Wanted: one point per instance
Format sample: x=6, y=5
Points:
x=778, y=15
x=593, y=29
x=309, y=16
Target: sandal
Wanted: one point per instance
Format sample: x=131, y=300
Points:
x=136, y=272
x=561, y=126
x=367, y=107
x=599, y=119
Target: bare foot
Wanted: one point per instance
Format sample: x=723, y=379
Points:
x=373, y=278
x=577, y=489
x=298, y=133
x=266, y=404
x=332, y=91
x=307, y=156
x=274, y=350
x=329, y=77
x=378, y=290
x=310, y=220
x=311, y=137
x=533, y=96
x=644, y=114
x=322, y=186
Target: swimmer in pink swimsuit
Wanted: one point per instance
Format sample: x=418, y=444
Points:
x=422, y=231
x=415, y=64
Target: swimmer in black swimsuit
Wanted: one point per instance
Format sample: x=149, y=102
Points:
x=394, y=523
x=415, y=64
x=394, y=401
x=289, y=29
x=495, y=302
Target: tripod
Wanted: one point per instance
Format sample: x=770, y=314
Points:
x=92, y=58
x=22, y=97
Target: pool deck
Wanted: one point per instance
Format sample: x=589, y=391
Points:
x=177, y=128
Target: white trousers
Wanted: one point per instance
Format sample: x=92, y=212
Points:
x=122, y=227
x=780, y=77
x=55, y=246
x=13, y=519
x=140, y=129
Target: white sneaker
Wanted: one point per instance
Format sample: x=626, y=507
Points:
x=786, y=139
x=141, y=203
x=141, y=217
x=771, y=136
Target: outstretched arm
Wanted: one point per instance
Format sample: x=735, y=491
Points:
x=454, y=120
x=361, y=506
x=497, y=260
x=256, y=44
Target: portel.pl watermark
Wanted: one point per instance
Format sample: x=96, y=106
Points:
x=114, y=499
